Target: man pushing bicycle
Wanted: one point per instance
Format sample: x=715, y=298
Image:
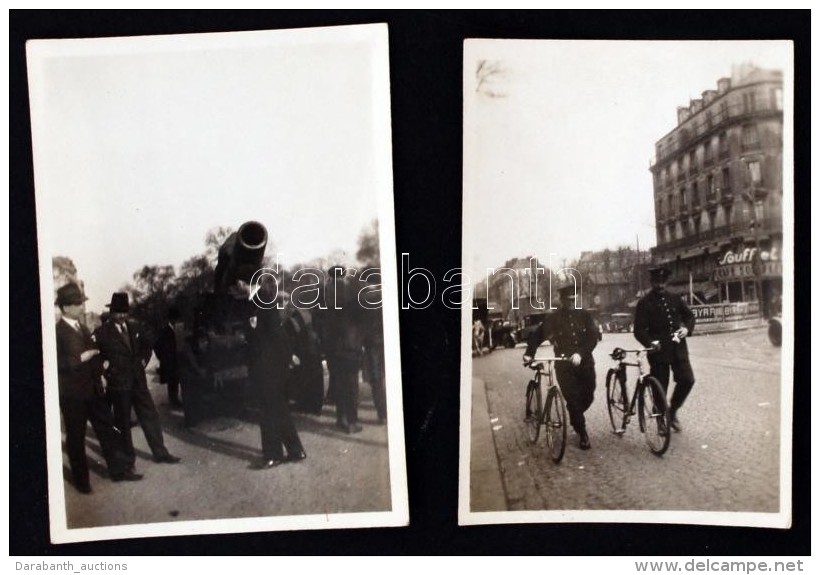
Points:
x=662, y=321
x=574, y=335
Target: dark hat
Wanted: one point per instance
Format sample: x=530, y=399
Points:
x=70, y=294
x=568, y=290
x=659, y=273
x=119, y=303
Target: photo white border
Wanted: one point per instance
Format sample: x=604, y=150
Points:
x=375, y=35
x=781, y=519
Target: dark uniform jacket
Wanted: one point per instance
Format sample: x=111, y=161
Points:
x=657, y=317
x=125, y=355
x=269, y=349
x=77, y=379
x=341, y=329
x=570, y=331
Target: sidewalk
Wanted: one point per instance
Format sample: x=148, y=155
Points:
x=486, y=486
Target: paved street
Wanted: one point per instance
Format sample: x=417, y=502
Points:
x=342, y=474
x=725, y=459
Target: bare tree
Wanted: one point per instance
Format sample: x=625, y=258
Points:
x=368, y=252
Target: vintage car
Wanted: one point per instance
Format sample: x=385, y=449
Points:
x=496, y=331
x=619, y=322
x=530, y=324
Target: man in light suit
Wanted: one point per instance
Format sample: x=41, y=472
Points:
x=125, y=352
x=81, y=396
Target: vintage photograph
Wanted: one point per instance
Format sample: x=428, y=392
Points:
x=628, y=241
x=217, y=269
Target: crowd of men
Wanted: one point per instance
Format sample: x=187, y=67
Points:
x=102, y=376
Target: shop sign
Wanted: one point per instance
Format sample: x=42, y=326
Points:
x=725, y=312
x=737, y=272
x=748, y=255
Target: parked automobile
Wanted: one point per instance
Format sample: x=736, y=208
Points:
x=619, y=322
x=496, y=330
x=531, y=323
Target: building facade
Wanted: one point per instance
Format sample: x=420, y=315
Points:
x=613, y=279
x=718, y=190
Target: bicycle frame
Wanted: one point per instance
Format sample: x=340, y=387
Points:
x=648, y=400
x=551, y=412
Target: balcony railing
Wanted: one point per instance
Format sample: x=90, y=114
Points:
x=744, y=229
x=699, y=128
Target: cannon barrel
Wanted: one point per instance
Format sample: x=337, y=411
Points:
x=240, y=255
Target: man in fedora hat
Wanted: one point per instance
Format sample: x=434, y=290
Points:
x=662, y=322
x=125, y=353
x=81, y=396
x=573, y=334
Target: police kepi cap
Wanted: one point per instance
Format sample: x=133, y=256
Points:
x=568, y=290
x=659, y=273
x=70, y=294
x=119, y=303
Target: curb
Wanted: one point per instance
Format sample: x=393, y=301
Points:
x=486, y=486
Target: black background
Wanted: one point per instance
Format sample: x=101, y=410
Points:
x=426, y=89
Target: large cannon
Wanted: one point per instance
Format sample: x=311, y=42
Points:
x=217, y=383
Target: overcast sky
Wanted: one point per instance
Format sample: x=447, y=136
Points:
x=559, y=138
x=143, y=145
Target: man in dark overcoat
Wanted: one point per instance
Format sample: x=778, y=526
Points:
x=342, y=335
x=166, y=350
x=269, y=357
x=662, y=322
x=79, y=372
x=125, y=352
x=573, y=334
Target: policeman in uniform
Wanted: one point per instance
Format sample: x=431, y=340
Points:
x=662, y=321
x=574, y=335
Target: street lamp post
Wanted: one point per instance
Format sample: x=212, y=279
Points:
x=757, y=206
x=756, y=213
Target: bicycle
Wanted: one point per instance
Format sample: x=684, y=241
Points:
x=552, y=413
x=648, y=397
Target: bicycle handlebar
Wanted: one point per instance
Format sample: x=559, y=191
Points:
x=536, y=362
x=619, y=353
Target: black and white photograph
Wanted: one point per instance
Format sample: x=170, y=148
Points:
x=217, y=262
x=628, y=242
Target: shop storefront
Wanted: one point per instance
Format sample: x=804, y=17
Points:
x=751, y=275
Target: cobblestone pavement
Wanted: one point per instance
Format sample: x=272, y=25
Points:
x=725, y=459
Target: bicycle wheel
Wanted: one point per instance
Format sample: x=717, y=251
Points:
x=653, y=411
x=616, y=402
x=556, y=423
x=532, y=417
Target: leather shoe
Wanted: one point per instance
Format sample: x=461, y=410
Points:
x=85, y=488
x=353, y=428
x=127, y=475
x=675, y=424
x=585, y=444
x=167, y=458
x=295, y=457
x=267, y=464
